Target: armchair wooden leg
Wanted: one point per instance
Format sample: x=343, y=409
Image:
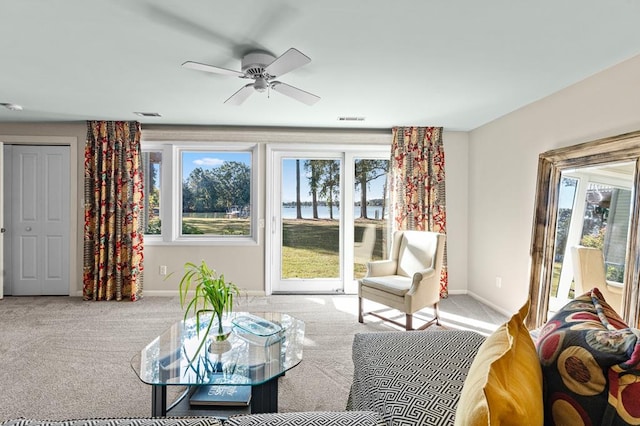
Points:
x=408, y=325
x=436, y=311
x=360, y=316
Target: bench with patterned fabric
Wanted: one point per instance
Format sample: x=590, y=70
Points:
x=142, y=421
x=412, y=378
x=319, y=418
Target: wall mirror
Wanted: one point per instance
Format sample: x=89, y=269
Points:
x=587, y=195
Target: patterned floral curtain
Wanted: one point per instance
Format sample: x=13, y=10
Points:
x=113, y=192
x=417, y=187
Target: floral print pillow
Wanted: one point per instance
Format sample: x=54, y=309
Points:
x=590, y=363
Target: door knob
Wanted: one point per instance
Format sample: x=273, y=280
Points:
x=28, y=228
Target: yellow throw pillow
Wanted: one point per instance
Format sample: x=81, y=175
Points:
x=504, y=384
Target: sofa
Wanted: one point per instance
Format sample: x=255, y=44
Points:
x=581, y=368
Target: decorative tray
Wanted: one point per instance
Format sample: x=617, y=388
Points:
x=256, y=325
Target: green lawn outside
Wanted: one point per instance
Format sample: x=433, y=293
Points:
x=310, y=246
x=219, y=226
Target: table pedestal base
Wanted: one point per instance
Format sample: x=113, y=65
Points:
x=264, y=399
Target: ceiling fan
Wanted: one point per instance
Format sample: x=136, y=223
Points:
x=263, y=68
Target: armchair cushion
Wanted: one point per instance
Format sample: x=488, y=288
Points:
x=394, y=284
x=413, y=254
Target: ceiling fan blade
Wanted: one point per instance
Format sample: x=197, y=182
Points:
x=210, y=68
x=289, y=60
x=295, y=93
x=241, y=95
x=176, y=22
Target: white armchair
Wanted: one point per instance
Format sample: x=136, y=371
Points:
x=589, y=272
x=409, y=280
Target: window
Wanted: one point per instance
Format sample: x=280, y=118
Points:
x=152, y=170
x=200, y=193
x=216, y=193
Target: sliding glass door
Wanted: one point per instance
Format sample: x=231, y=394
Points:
x=328, y=217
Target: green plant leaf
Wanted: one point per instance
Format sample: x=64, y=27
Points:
x=211, y=293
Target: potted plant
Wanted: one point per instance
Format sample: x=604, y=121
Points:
x=212, y=294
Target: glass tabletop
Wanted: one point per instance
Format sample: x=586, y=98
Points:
x=260, y=347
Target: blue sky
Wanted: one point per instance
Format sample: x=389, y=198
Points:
x=210, y=160
x=566, y=196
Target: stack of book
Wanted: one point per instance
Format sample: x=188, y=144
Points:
x=221, y=395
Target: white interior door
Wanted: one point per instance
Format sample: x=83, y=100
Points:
x=39, y=229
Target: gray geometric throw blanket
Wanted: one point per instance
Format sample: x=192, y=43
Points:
x=412, y=378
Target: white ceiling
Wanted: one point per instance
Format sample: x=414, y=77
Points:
x=452, y=63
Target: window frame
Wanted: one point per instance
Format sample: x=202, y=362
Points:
x=171, y=193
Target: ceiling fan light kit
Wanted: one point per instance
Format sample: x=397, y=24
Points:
x=262, y=68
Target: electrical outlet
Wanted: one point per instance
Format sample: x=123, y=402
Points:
x=163, y=270
x=499, y=282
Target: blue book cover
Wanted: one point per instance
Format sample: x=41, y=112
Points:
x=231, y=395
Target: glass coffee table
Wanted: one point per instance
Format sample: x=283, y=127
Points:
x=260, y=349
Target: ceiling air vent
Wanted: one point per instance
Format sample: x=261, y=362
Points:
x=148, y=114
x=12, y=107
x=350, y=118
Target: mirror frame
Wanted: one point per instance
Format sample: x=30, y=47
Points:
x=551, y=164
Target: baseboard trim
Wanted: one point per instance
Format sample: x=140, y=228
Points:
x=258, y=293
x=174, y=293
x=490, y=304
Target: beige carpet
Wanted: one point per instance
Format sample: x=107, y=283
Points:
x=62, y=358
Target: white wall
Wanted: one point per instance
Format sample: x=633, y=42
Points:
x=503, y=158
x=456, y=152
x=245, y=264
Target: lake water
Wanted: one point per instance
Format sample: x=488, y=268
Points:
x=373, y=212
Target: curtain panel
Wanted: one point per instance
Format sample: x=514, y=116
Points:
x=113, y=193
x=417, y=186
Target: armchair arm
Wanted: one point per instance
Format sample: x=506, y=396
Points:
x=420, y=277
x=381, y=268
x=425, y=288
